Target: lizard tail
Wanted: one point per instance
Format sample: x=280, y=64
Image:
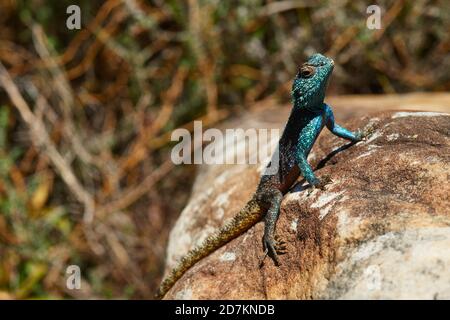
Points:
x=241, y=222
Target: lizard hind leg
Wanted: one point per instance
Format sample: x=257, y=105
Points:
x=273, y=244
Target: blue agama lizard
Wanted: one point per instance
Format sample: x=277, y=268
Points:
x=308, y=117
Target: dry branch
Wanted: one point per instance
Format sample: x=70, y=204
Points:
x=43, y=141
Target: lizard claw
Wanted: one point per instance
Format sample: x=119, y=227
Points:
x=363, y=134
x=271, y=245
x=326, y=179
x=280, y=245
x=261, y=261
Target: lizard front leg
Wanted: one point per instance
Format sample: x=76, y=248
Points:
x=341, y=131
x=308, y=173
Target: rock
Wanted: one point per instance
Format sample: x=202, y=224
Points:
x=381, y=229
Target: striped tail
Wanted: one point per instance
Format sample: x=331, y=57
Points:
x=241, y=222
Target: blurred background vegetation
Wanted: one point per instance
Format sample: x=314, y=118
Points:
x=86, y=115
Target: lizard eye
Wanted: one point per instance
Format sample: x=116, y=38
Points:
x=307, y=71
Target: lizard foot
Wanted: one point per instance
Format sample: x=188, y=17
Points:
x=326, y=179
x=363, y=134
x=273, y=247
x=280, y=245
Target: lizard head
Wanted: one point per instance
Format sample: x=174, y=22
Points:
x=308, y=89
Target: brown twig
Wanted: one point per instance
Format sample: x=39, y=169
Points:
x=64, y=89
x=43, y=141
x=132, y=194
x=139, y=149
